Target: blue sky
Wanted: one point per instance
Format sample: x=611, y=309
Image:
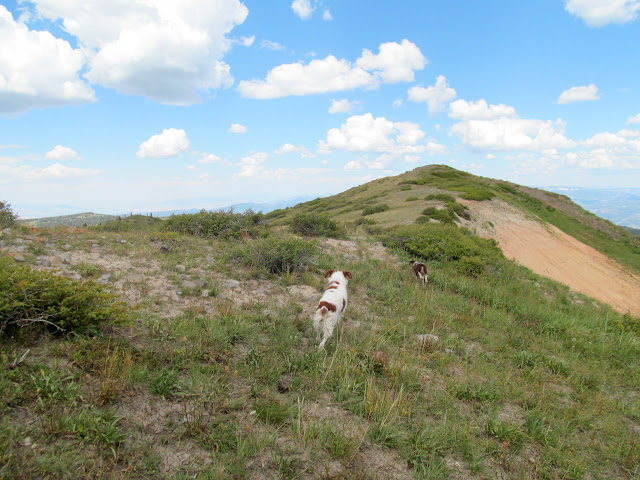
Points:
x=132, y=105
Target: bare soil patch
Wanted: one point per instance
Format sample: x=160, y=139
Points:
x=548, y=251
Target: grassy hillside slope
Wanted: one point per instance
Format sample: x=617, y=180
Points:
x=490, y=371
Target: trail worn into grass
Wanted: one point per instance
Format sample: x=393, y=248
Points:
x=548, y=251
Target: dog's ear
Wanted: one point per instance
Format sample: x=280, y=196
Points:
x=412, y=262
x=347, y=274
x=329, y=273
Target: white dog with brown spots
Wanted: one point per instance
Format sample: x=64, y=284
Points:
x=332, y=305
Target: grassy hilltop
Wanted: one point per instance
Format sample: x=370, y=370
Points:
x=188, y=349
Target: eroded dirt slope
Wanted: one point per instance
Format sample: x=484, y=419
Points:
x=548, y=251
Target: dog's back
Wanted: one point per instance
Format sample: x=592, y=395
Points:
x=419, y=270
x=332, y=305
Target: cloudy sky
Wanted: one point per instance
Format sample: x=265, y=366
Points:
x=145, y=105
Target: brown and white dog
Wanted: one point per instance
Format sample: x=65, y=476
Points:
x=419, y=270
x=332, y=305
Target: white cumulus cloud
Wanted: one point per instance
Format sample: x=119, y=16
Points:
x=353, y=165
x=24, y=56
x=170, y=143
x=252, y=165
x=237, y=128
x=579, y=94
x=597, y=13
x=364, y=133
x=342, y=106
x=634, y=119
x=165, y=51
x=479, y=110
x=302, y=8
x=395, y=63
x=61, y=153
x=487, y=128
x=435, y=97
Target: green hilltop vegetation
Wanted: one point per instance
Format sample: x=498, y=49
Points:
x=76, y=220
x=183, y=348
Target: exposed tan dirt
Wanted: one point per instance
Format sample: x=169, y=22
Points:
x=548, y=251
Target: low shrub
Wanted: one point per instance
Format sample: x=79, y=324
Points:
x=225, y=224
x=445, y=243
x=315, y=225
x=276, y=255
x=7, y=217
x=31, y=296
x=370, y=210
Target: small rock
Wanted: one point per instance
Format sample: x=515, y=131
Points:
x=448, y=351
x=18, y=257
x=202, y=283
x=66, y=246
x=76, y=276
x=189, y=284
x=428, y=337
x=44, y=262
x=181, y=268
x=104, y=279
x=27, y=442
x=209, y=259
x=6, y=231
x=284, y=385
x=231, y=284
x=121, y=241
x=56, y=261
x=66, y=258
x=165, y=248
x=173, y=296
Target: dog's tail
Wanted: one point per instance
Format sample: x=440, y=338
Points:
x=326, y=307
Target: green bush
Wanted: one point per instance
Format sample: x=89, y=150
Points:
x=445, y=243
x=225, y=224
x=315, y=225
x=276, y=255
x=381, y=207
x=31, y=296
x=442, y=197
x=7, y=217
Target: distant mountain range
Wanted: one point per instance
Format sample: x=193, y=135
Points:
x=618, y=205
x=89, y=218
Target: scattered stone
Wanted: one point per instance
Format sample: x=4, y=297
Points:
x=76, y=276
x=173, y=296
x=121, y=241
x=189, y=284
x=448, y=351
x=209, y=259
x=284, y=385
x=66, y=258
x=44, y=262
x=231, y=284
x=66, y=246
x=181, y=268
x=202, y=283
x=18, y=257
x=104, y=279
x=428, y=337
x=21, y=248
x=6, y=231
x=27, y=442
x=165, y=248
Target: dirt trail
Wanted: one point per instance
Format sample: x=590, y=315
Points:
x=548, y=251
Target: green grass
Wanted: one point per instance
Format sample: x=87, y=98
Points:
x=524, y=381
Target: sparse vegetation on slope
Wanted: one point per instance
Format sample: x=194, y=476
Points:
x=489, y=373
